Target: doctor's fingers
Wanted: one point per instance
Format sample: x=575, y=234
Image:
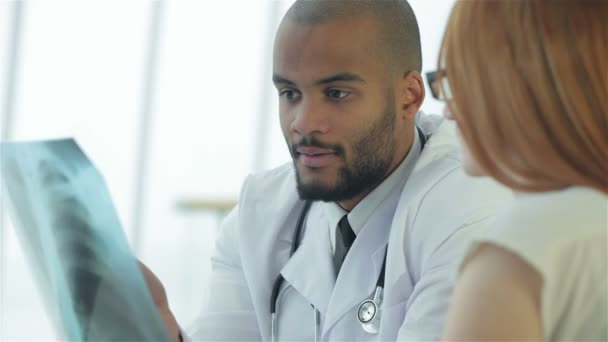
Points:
x=159, y=295
x=157, y=290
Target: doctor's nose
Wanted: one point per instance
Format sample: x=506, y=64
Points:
x=309, y=118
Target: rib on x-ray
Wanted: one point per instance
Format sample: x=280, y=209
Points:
x=65, y=220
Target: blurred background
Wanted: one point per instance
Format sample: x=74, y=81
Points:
x=172, y=100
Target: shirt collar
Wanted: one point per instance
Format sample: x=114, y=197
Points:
x=359, y=215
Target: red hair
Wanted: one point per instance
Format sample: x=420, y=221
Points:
x=529, y=85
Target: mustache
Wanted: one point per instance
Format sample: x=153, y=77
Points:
x=310, y=141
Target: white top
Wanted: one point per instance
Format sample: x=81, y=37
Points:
x=359, y=215
x=563, y=235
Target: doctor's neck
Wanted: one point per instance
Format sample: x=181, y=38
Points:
x=349, y=204
x=352, y=202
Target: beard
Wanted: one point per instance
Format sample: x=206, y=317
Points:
x=370, y=162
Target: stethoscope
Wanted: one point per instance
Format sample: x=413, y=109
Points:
x=368, y=313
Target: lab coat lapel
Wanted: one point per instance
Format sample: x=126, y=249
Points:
x=268, y=220
x=310, y=270
x=428, y=167
x=359, y=274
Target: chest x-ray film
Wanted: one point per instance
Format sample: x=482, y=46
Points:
x=66, y=223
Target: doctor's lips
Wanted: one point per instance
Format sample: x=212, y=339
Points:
x=314, y=156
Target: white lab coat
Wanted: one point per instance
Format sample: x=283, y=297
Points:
x=439, y=210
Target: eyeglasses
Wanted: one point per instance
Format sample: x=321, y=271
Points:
x=439, y=85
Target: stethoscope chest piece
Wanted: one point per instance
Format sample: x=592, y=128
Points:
x=369, y=313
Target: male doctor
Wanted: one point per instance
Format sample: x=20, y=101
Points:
x=391, y=210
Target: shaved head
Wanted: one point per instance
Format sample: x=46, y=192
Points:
x=398, y=34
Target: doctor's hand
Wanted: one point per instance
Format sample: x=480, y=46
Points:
x=160, y=300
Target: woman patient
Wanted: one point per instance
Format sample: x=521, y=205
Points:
x=527, y=84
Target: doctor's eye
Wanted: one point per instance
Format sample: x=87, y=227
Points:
x=289, y=94
x=336, y=94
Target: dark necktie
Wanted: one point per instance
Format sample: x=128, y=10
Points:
x=344, y=239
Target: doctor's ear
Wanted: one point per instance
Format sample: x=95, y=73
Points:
x=411, y=94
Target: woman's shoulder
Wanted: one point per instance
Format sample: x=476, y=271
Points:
x=541, y=228
x=548, y=245
x=572, y=214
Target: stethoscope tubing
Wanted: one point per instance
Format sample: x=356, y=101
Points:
x=297, y=235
